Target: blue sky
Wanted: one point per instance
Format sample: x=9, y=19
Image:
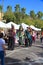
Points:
x=36, y=5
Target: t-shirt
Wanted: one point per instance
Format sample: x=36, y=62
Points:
x=2, y=41
x=42, y=33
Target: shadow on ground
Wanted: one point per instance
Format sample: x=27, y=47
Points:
x=39, y=46
x=40, y=54
x=11, y=61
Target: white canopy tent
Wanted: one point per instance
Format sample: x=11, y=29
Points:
x=24, y=26
x=34, y=28
x=8, y=25
x=2, y=24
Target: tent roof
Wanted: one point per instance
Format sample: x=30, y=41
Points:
x=34, y=28
x=24, y=25
x=9, y=25
x=2, y=25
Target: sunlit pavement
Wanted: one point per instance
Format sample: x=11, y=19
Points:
x=25, y=55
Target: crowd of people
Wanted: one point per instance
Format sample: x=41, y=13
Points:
x=25, y=37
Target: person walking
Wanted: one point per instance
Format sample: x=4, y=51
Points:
x=2, y=49
x=21, y=35
x=11, y=41
x=28, y=37
x=41, y=38
x=34, y=36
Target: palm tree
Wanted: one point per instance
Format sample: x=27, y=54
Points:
x=0, y=8
x=23, y=10
x=17, y=8
x=9, y=8
x=40, y=14
x=32, y=14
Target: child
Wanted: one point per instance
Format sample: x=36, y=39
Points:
x=2, y=48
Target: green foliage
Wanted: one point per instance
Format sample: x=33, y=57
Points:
x=41, y=29
x=9, y=8
x=9, y=16
x=37, y=23
x=0, y=8
x=32, y=14
x=23, y=10
x=17, y=8
x=40, y=14
x=20, y=16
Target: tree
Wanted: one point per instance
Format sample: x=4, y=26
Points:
x=1, y=10
x=9, y=8
x=32, y=14
x=18, y=17
x=17, y=8
x=9, y=16
x=23, y=10
x=39, y=14
x=17, y=13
